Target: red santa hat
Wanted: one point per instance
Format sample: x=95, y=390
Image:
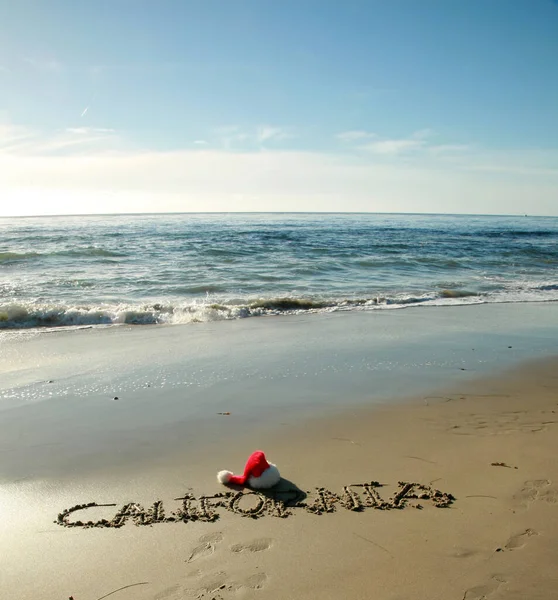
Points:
x=258, y=473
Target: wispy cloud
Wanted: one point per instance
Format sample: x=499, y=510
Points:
x=200, y=143
x=355, y=135
x=393, y=147
x=236, y=137
x=44, y=64
x=4, y=69
x=88, y=130
x=267, y=133
x=419, y=143
x=12, y=134
x=229, y=136
x=20, y=141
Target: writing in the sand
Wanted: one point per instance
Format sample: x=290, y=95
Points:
x=354, y=497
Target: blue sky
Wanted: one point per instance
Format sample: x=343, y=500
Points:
x=406, y=105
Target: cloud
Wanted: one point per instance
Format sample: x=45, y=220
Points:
x=372, y=143
x=88, y=130
x=230, y=136
x=91, y=170
x=393, y=147
x=236, y=137
x=200, y=142
x=20, y=141
x=267, y=133
x=355, y=135
x=44, y=64
x=12, y=134
x=4, y=69
x=416, y=143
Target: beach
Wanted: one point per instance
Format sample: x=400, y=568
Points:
x=353, y=408
x=279, y=300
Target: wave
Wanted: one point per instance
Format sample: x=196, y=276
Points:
x=89, y=251
x=547, y=287
x=289, y=304
x=514, y=233
x=9, y=257
x=508, y=233
x=457, y=294
x=30, y=315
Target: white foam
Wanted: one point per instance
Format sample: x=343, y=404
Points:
x=28, y=314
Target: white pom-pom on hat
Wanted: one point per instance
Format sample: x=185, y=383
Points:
x=224, y=476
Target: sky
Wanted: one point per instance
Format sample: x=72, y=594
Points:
x=427, y=106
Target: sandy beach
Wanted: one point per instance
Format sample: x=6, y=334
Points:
x=325, y=233
x=479, y=520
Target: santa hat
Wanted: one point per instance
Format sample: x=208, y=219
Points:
x=258, y=473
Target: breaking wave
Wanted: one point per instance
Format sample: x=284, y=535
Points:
x=19, y=315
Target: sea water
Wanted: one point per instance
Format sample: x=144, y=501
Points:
x=181, y=268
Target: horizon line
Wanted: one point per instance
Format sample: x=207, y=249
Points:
x=270, y=212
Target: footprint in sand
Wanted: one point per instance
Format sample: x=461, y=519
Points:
x=254, y=546
x=206, y=546
x=211, y=586
x=254, y=582
x=536, y=489
x=218, y=586
x=504, y=423
x=481, y=592
x=464, y=553
x=519, y=540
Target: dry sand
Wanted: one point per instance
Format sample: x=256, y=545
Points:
x=491, y=444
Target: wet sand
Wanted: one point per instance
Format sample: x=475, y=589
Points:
x=124, y=398
x=487, y=444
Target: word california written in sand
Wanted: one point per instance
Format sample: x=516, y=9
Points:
x=353, y=497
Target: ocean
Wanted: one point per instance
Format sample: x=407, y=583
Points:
x=151, y=269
